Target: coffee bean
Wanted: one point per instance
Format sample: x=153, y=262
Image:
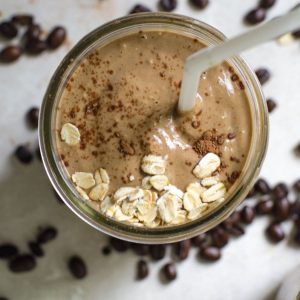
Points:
x=219, y=237
x=210, y=253
x=22, y=19
x=35, y=47
x=46, y=235
x=7, y=251
x=24, y=154
x=142, y=269
x=236, y=230
x=119, y=245
x=247, y=214
x=106, y=250
x=157, y=252
x=36, y=249
x=200, y=3
x=33, y=117
x=233, y=219
x=169, y=270
x=296, y=34
x=139, y=8
x=297, y=236
x=271, y=104
x=168, y=5
x=140, y=249
x=261, y=186
x=8, y=30
x=282, y=209
x=295, y=208
x=199, y=240
x=10, y=54
x=182, y=249
x=264, y=207
x=22, y=263
x=297, y=149
x=56, y=37
x=296, y=186
x=251, y=193
x=77, y=267
x=280, y=190
x=263, y=75
x=267, y=3
x=255, y=16
x=33, y=32
x=275, y=232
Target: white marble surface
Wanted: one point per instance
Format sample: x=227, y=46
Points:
x=250, y=269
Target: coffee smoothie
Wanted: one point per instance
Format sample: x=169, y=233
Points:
x=128, y=151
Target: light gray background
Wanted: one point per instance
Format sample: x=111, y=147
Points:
x=250, y=269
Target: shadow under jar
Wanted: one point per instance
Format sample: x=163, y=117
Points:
x=148, y=26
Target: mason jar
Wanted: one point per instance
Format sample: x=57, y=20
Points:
x=58, y=176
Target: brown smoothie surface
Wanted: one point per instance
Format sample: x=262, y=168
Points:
x=123, y=99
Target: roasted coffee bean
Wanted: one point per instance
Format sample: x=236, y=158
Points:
x=56, y=37
x=247, y=214
x=296, y=186
x=119, y=245
x=263, y=75
x=282, y=209
x=22, y=263
x=219, y=237
x=106, y=250
x=255, y=16
x=267, y=3
x=142, y=269
x=233, y=219
x=24, y=154
x=262, y=187
x=33, y=117
x=182, y=249
x=199, y=240
x=157, y=252
x=297, y=236
x=169, y=270
x=264, y=207
x=8, y=251
x=77, y=267
x=140, y=249
x=8, y=30
x=296, y=34
x=200, y=3
x=236, y=230
x=139, y=8
x=22, y=19
x=295, y=208
x=36, y=249
x=271, y=104
x=46, y=235
x=35, y=47
x=210, y=253
x=168, y=5
x=10, y=54
x=275, y=232
x=33, y=32
x=280, y=190
x=251, y=193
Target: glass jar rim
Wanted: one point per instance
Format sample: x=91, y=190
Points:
x=129, y=232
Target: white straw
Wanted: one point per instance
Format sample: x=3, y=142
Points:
x=209, y=57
